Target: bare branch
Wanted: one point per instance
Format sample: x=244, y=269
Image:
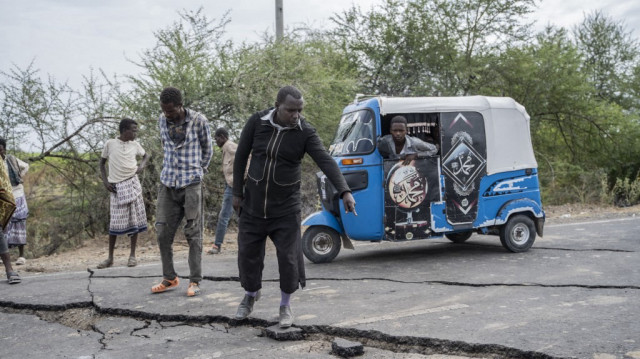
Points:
x=66, y=139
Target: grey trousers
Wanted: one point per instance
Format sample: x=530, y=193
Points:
x=173, y=205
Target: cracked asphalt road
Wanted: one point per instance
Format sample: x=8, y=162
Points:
x=574, y=294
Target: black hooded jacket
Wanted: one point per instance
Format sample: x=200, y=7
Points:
x=272, y=187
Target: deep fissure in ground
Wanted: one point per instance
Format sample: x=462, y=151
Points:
x=86, y=318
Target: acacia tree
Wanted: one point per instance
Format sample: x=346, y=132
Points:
x=192, y=55
x=545, y=77
x=479, y=30
x=576, y=132
x=430, y=47
x=611, y=61
x=376, y=45
x=65, y=128
x=610, y=56
x=312, y=64
x=634, y=89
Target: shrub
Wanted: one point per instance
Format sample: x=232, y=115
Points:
x=626, y=192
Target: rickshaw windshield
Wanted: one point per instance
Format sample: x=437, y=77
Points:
x=354, y=135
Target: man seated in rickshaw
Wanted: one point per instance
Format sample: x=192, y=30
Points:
x=397, y=145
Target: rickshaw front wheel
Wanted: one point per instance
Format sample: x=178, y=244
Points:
x=518, y=234
x=459, y=237
x=320, y=244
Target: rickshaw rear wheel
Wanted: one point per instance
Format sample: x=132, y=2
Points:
x=459, y=237
x=321, y=244
x=518, y=234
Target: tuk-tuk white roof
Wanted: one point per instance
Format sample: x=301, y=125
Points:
x=444, y=104
x=506, y=122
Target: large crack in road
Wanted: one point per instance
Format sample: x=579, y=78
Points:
x=87, y=316
x=428, y=282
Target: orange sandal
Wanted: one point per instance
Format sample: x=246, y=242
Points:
x=165, y=284
x=193, y=290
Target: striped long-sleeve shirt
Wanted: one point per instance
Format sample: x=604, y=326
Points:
x=186, y=162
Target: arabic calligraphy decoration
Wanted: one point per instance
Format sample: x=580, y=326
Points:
x=463, y=163
x=409, y=191
x=406, y=187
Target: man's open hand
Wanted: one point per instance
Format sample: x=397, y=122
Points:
x=349, y=203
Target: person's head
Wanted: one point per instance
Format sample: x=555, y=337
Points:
x=128, y=129
x=171, y=103
x=221, y=136
x=398, y=129
x=289, y=105
x=3, y=147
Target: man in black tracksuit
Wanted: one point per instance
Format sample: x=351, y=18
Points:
x=269, y=202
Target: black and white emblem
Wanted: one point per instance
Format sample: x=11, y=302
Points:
x=463, y=164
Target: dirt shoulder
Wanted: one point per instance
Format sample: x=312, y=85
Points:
x=580, y=213
x=94, y=251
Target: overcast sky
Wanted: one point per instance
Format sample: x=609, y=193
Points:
x=68, y=37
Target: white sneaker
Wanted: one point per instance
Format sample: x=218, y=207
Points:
x=21, y=261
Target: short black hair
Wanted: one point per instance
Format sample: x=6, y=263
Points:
x=171, y=95
x=286, y=91
x=222, y=132
x=3, y=143
x=126, y=124
x=399, y=119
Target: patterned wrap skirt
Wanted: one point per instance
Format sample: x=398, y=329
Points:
x=16, y=234
x=128, y=215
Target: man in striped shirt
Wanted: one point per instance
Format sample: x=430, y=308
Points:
x=186, y=144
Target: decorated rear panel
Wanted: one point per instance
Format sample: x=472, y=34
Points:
x=409, y=190
x=464, y=162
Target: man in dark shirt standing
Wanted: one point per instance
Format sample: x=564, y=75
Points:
x=269, y=202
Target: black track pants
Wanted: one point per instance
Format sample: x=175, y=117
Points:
x=285, y=233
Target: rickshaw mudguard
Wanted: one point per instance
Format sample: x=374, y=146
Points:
x=323, y=218
x=522, y=205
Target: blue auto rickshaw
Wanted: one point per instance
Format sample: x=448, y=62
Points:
x=484, y=178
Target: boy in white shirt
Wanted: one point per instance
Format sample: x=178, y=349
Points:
x=127, y=214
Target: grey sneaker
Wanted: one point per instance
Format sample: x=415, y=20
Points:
x=246, y=306
x=286, y=317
